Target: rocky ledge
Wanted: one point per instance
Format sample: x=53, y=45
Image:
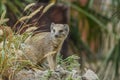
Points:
x=59, y=74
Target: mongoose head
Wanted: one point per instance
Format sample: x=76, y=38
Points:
x=59, y=31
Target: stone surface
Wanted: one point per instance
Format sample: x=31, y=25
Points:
x=59, y=74
x=90, y=75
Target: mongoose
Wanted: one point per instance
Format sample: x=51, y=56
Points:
x=41, y=44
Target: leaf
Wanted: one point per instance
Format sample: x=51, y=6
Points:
x=52, y=1
x=47, y=7
x=48, y=54
x=31, y=15
x=92, y=17
x=3, y=14
x=13, y=8
x=28, y=6
x=2, y=20
x=18, y=4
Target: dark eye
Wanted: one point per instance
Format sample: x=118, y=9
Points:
x=66, y=29
x=53, y=30
x=60, y=31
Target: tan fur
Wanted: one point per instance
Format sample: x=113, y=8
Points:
x=45, y=43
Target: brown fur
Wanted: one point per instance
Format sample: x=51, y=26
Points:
x=42, y=44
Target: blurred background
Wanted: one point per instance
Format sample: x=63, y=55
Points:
x=94, y=29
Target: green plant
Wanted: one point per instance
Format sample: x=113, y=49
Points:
x=9, y=55
x=111, y=64
x=14, y=7
x=48, y=75
x=69, y=63
x=11, y=47
x=93, y=23
x=3, y=20
x=69, y=78
x=99, y=30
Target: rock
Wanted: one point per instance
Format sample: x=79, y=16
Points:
x=90, y=75
x=59, y=74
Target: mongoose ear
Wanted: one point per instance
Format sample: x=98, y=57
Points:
x=52, y=25
x=66, y=27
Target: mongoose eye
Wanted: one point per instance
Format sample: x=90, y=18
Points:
x=53, y=30
x=66, y=29
x=61, y=31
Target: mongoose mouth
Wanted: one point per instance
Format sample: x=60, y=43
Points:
x=59, y=36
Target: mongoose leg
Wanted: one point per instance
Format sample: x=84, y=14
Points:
x=51, y=62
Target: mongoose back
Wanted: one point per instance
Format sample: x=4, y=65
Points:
x=42, y=44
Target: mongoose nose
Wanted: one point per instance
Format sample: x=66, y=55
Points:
x=56, y=36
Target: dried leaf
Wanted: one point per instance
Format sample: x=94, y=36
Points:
x=28, y=6
x=31, y=29
x=31, y=15
x=1, y=32
x=53, y=1
x=48, y=6
x=50, y=53
x=2, y=21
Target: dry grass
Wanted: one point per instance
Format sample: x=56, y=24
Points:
x=11, y=44
x=9, y=50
